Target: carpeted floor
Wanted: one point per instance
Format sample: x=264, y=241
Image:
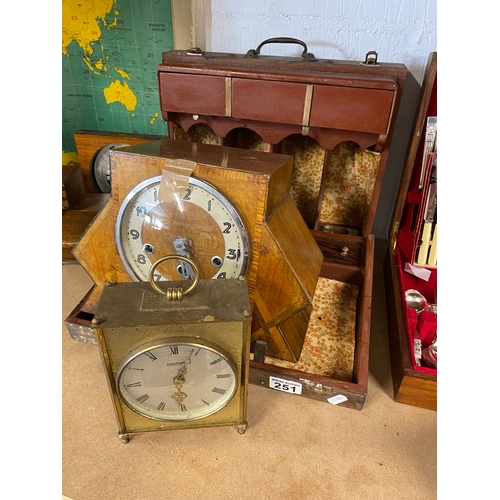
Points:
x=294, y=448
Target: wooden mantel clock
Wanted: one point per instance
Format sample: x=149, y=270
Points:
x=234, y=217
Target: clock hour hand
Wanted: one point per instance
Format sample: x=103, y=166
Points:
x=181, y=245
x=179, y=380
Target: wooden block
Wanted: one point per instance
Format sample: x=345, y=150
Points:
x=76, y=221
x=285, y=283
x=74, y=224
x=72, y=185
x=96, y=249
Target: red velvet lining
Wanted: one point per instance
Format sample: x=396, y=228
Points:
x=424, y=324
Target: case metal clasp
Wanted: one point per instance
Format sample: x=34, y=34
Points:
x=371, y=59
x=194, y=51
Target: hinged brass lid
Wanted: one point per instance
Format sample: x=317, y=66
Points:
x=137, y=304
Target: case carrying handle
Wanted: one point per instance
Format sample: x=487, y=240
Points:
x=307, y=56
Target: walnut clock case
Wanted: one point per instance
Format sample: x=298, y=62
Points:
x=413, y=384
x=284, y=260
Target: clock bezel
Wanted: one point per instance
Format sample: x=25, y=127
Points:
x=168, y=341
x=146, y=184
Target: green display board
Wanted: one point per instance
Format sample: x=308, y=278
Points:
x=110, y=53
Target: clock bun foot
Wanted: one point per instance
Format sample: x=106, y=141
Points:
x=124, y=438
x=242, y=428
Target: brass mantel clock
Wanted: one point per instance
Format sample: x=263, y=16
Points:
x=178, y=361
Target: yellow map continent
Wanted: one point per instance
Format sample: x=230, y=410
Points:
x=80, y=23
x=116, y=92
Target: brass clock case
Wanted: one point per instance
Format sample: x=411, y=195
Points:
x=176, y=364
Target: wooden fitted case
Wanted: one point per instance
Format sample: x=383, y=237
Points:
x=336, y=120
x=413, y=384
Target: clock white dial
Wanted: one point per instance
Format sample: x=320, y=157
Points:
x=201, y=224
x=177, y=380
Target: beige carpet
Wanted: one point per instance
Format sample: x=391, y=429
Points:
x=294, y=449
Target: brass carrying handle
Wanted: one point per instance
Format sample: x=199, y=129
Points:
x=174, y=293
x=305, y=55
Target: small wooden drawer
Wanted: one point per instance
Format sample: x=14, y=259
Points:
x=262, y=100
x=196, y=94
x=347, y=108
x=72, y=185
x=76, y=221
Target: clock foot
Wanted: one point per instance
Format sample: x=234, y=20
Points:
x=124, y=438
x=242, y=428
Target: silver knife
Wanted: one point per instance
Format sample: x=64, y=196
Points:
x=429, y=146
x=432, y=260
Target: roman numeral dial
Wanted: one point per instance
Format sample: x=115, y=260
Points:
x=177, y=380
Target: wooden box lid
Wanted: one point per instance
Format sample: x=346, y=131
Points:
x=426, y=105
x=413, y=384
x=301, y=106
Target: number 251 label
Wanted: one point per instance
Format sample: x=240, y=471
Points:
x=285, y=385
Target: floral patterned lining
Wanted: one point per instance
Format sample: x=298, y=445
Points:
x=348, y=185
x=308, y=159
x=349, y=178
x=330, y=339
x=199, y=132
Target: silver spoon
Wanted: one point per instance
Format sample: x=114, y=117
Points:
x=415, y=300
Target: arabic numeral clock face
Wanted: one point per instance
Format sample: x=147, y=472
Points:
x=176, y=380
x=201, y=224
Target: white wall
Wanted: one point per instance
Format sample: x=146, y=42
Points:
x=400, y=31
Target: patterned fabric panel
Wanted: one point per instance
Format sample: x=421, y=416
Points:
x=308, y=158
x=199, y=132
x=330, y=339
x=349, y=181
x=248, y=139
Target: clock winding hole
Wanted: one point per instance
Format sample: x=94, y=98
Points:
x=216, y=261
x=148, y=249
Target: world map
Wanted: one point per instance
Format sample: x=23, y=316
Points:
x=110, y=53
